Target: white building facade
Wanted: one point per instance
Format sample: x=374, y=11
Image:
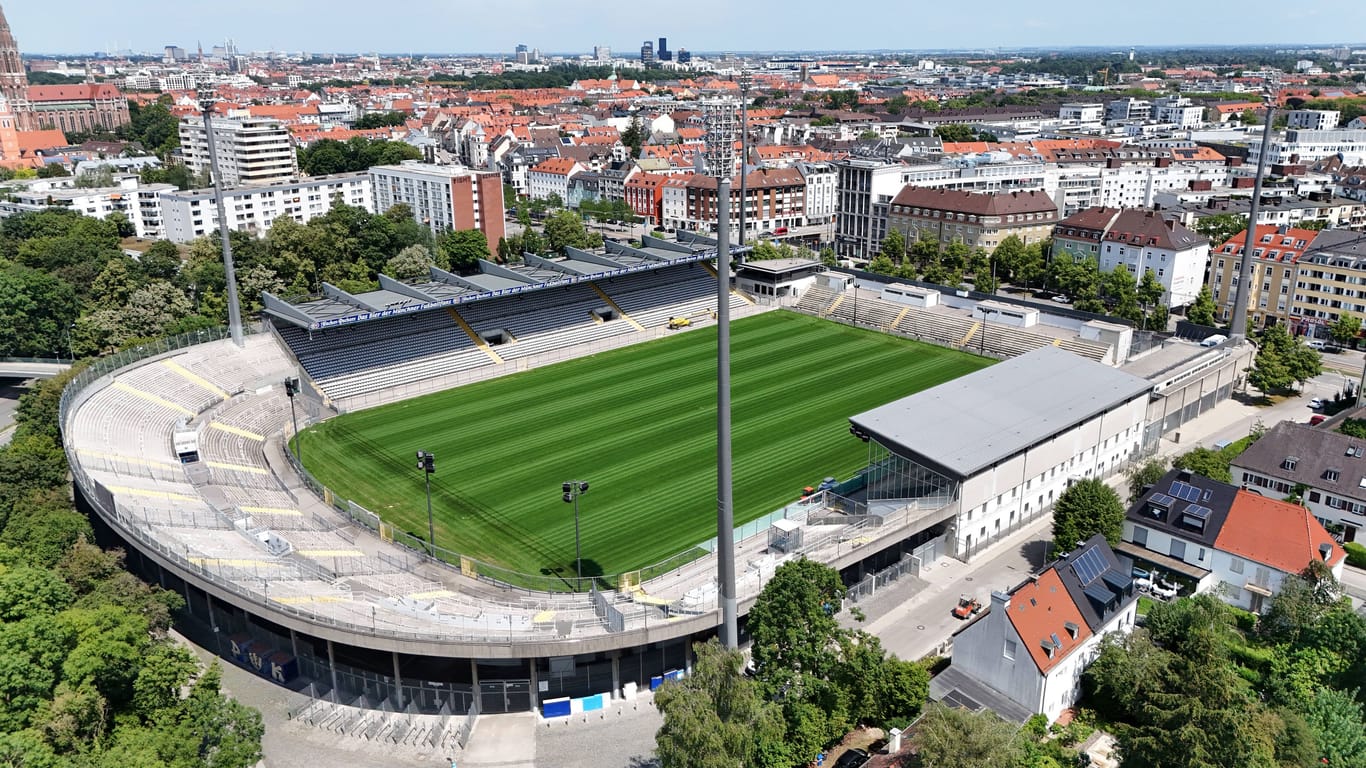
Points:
x=193, y=214
x=250, y=150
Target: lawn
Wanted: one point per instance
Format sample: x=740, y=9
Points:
x=638, y=424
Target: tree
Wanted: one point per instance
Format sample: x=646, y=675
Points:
x=634, y=136
x=955, y=132
x=792, y=624
x=1201, y=311
x=1337, y=722
x=828, y=257
x=715, y=717
x=380, y=120
x=894, y=246
x=160, y=262
x=53, y=171
x=949, y=737
x=413, y=261
x=1219, y=228
x=565, y=229
x=1205, y=462
x=881, y=265
x=1085, y=509
x=462, y=249
x=1139, y=476
x=1150, y=290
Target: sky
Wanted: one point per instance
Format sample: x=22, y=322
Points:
x=575, y=26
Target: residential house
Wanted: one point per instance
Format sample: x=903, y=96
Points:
x=1215, y=537
x=551, y=178
x=1325, y=468
x=1329, y=280
x=644, y=192
x=1139, y=240
x=774, y=197
x=1026, y=653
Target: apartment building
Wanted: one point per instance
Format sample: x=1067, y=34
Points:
x=1313, y=119
x=140, y=204
x=1139, y=240
x=1130, y=109
x=1305, y=146
x=250, y=150
x=192, y=214
x=864, y=189
x=1276, y=255
x=820, y=191
x=978, y=220
x=1330, y=280
x=673, y=202
x=774, y=197
x=644, y=192
x=443, y=197
x=1178, y=111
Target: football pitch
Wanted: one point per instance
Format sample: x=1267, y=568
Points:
x=638, y=424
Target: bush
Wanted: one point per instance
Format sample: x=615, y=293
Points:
x=1356, y=554
x=1245, y=620
x=935, y=664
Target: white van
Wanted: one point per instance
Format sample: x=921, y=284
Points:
x=1214, y=341
x=1318, y=344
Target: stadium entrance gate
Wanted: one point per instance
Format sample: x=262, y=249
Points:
x=502, y=696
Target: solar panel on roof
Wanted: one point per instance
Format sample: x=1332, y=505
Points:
x=1195, y=510
x=1185, y=491
x=1162, y=499
x=1089, y=565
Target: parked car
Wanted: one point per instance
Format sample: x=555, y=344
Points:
x=967, y=607
x=1061, y=299
x=854, y=758
x=1316, y=403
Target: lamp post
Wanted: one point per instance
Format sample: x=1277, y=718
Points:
x=426, y=462
x=292, y=389
x=572, y=491
x=206, y=103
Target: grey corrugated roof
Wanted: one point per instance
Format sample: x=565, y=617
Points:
x=965, y=425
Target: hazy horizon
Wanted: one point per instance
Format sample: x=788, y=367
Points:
x=429, y=26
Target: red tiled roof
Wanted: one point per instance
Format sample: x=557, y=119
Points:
x=561, y=166
x=77, y=92
x=1277, y=533
x=37, y=141
x=1041, y=609
x=1289, y=253
x=981, y=204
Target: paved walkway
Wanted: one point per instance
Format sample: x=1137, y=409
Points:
x=508, y=741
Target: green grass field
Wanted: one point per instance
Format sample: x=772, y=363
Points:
x=638, y=424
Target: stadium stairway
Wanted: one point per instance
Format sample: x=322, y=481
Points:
x=476, y=338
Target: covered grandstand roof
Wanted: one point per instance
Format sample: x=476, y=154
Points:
x=963, y=426
x=441, y=289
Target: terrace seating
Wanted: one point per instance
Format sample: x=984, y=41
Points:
x=816, y=300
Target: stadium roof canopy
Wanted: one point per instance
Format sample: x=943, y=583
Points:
x=336, y=307
x=963, y=426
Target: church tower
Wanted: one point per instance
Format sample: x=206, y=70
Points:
x=13, y=81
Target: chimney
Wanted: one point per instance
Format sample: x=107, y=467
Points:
x=1184, y=475
x=1000, y=602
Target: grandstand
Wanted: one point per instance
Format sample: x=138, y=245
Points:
x=942, y=325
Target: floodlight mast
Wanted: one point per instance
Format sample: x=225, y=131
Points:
x=1243, y=291
x=719, y=116
x=206, y=103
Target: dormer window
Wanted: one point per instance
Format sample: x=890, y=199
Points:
x=1331, y=475
x=1072, y=629
x=1290, y=462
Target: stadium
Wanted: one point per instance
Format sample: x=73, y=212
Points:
x=318, y=572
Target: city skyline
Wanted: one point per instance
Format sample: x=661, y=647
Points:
x=712, y=25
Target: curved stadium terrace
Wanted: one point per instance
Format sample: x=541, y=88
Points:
x=311, y=590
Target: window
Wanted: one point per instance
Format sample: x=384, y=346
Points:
x=1140, y=536
x=1178, y=549
x=1236, y=565
x=1010, y=649
x=1331, y=475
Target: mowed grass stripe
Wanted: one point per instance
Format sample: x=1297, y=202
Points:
x=637, y=423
